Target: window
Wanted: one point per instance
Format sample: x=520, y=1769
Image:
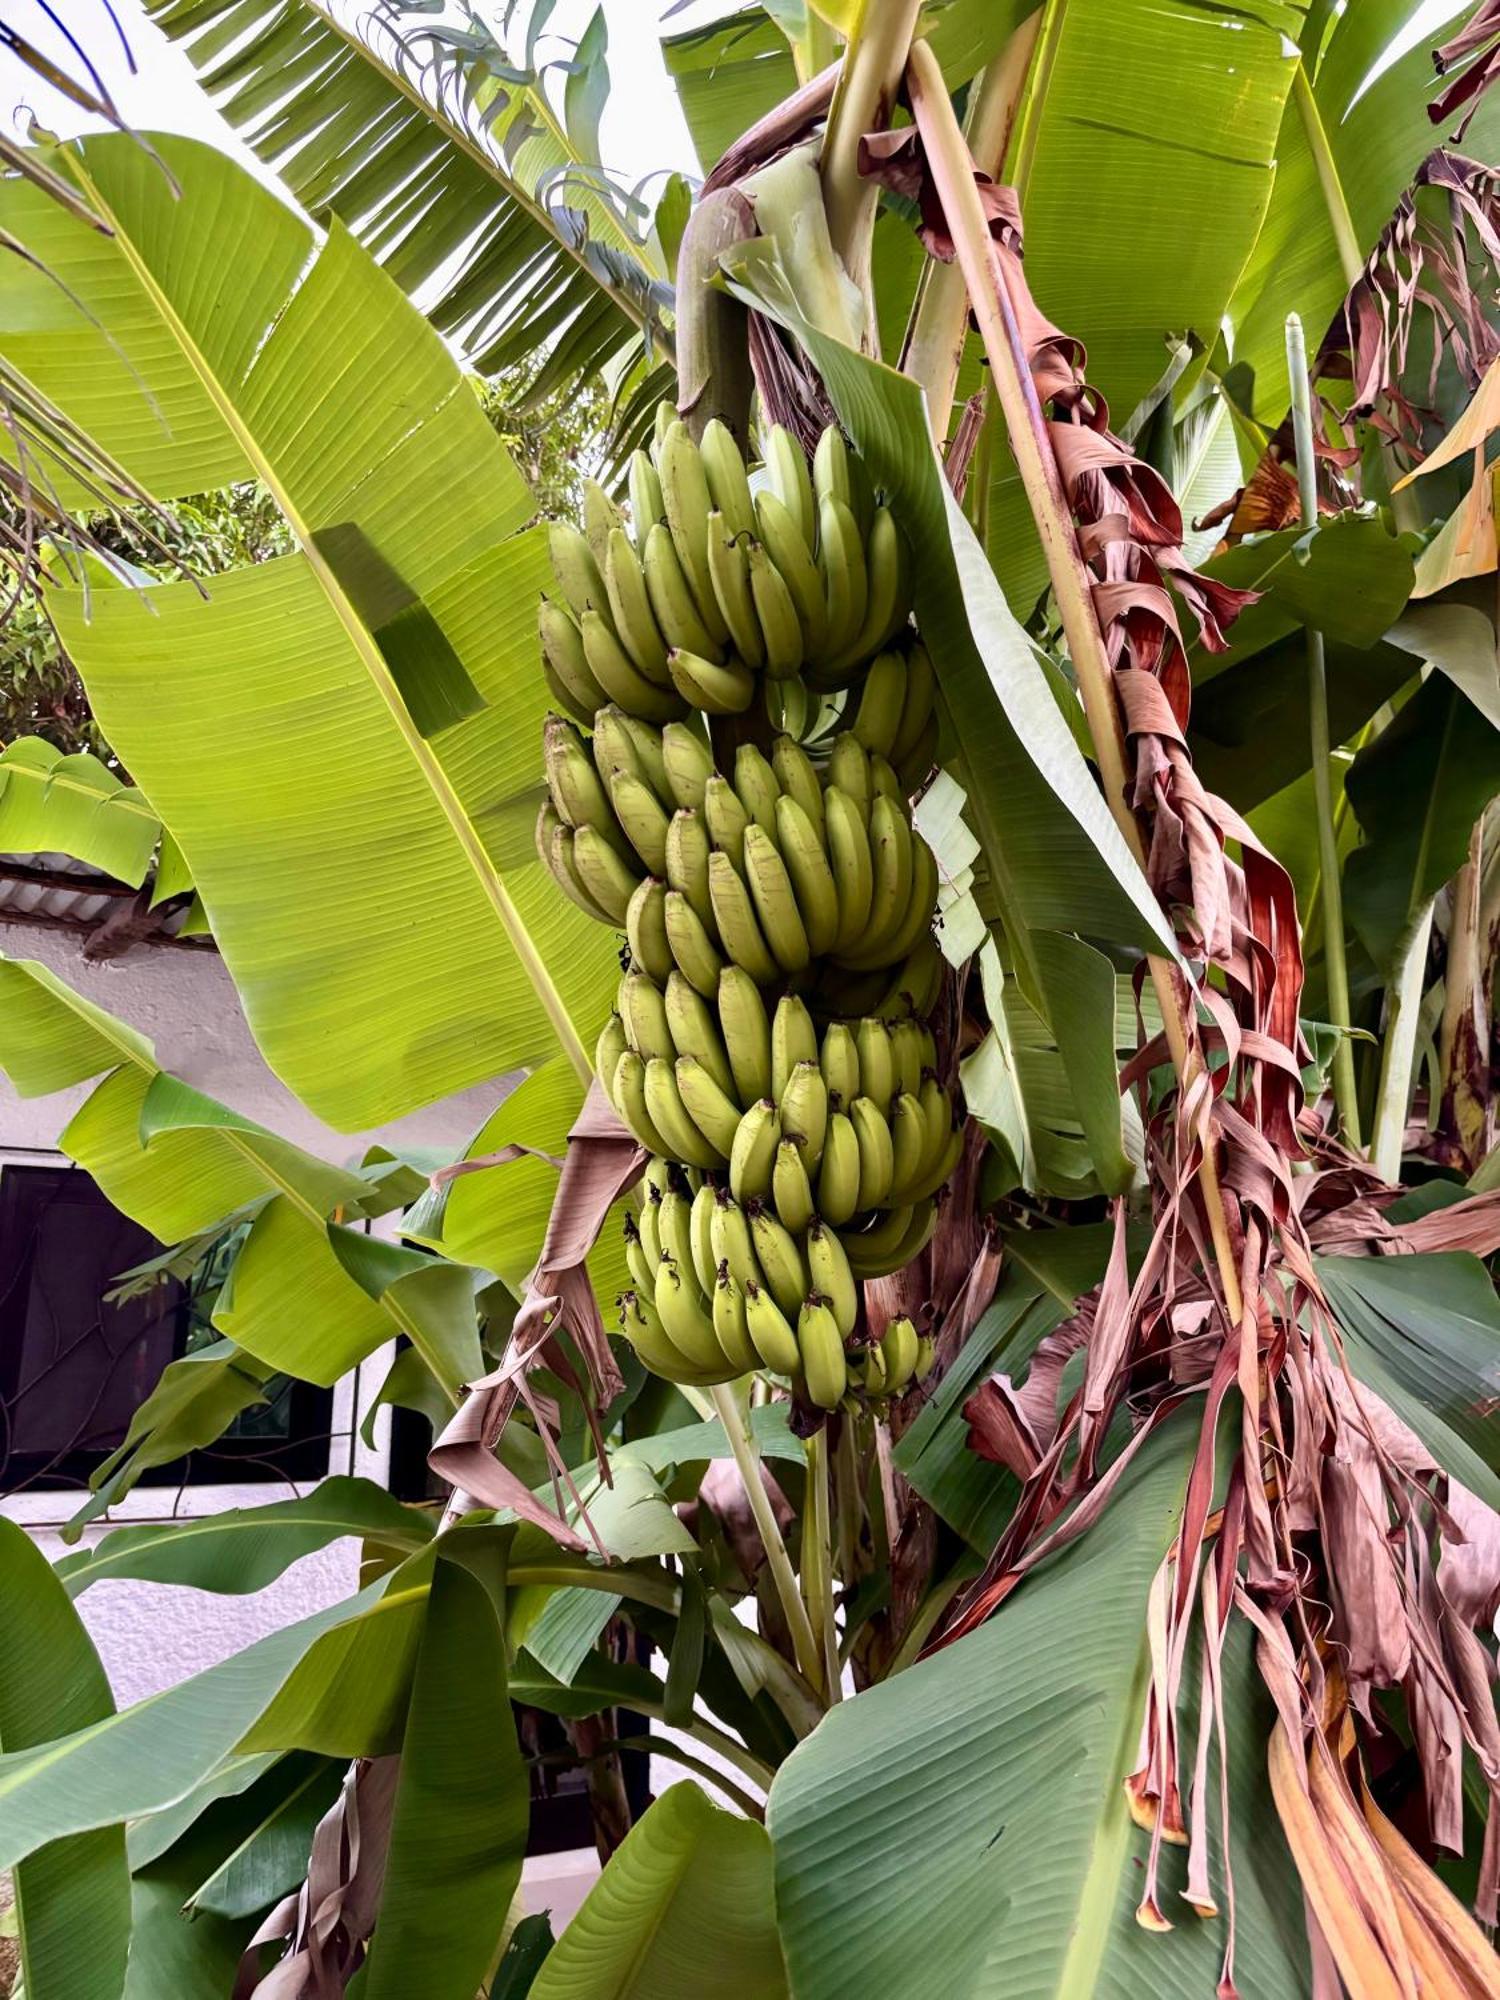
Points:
x=79, y=1353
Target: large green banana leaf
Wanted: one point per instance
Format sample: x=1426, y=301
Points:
x=270, y=1830
x=963, y=1828
x=442, y=151
x=73, y=1895
x=365, y=855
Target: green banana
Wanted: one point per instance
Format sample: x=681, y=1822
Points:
x=705, y=1264
x=614, y=748
x=916, y=764
x=644, y=1012
x=648, y=1223
x=776, y=615
x=562, y=649
x=811, y=876
x=646, y=930
x=726, y=817
x=824, y=1370
x=609, y=1048
x=878, y=716
x=877, y=1064
x=788, y=705
x=630, y=1102
x=728, y=482
x=608, y=879
x=917, y=704
x=791, y=481
x=685, y=494
x=729, y=569
x=849, y=770
x=830, y=470
x=576, y=571
x=908, y=1053
x=731, y=1328
x=683, y=1311
x=828, y=1267
x=838, y=1172
x=779, y=1258
x=695, y=1030
x=554, y=843
x=872, y=1372
x=839, y=1059
x=792, y=555
x=899, y=1347
x=675, y=1227
x=890, y=895
x=888, y=582
x=841, y=559
x=791, y=1190
x=666, y=416
x=877, y=1160
x=712, y=1110
x=670, y=1116
x=921, y=908
x=752, y=1158
x=615, y=671
x=916, y=984
x=729, y=1234
x=687, y=863
x=630, y=607
x=650, y=759
x=797, y=777
x=852, y=865
x=871, y=1251
x=716, y=690
x=640, y=814
x=747, y=1034
x=692, y=947
x=642, y=1272
x=642, y=1327
x=775, y=901
x=926, y=1356
x=688, y=763
x=804, y=1111
x=938, y=1171
x=600, y=518
x=908, y=1146
x=794, y=1039
x=576, y=787
x=672, y=601
x=646, y=507
x=734, y=913
x=771, y=1331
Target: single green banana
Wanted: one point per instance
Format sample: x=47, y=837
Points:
x=729, y=1233
x=779, y=1258
x=669, y=1114
x=687, y=863
x=890, y=894
x=871, y=1251
x=926, y=1356
x=775, y=901
x=649, y=1223
x=562, y=648
x=705, y=1264
x=684, y=1314
x=872, y=1373
x=771, y=1331
x=642, y=1272
x=899, y=1346
x=642, y=817
x=728, y=482
x=757, y=787
x=877, y=1161
x=849, y=770
x=907, y=1052
x=684, y=491
x=675, y=1227
x=878, y=716
x=839, y=1060
x=643, y=1010
x=734, y=913
x=933, y=1177
x=752, y=1158
x=841, y=558
x=726, y=817
x=731, y=1328
x=576, y=787
x=888, y=574
x=554, y=843
x=804, y=1111
x=794, y=1039
x=696, y=1032
x=605, y=875
x=921, y=908
x=614, y=748
x=672, y=600
x=609, y=1048
x=824, y=1370
x=697, y=958
x=711, y=1109
x=621, y=679
x=716, y=690
x=747, y=1034
x=838, y=1173
x=791, y=482
x=916, y=984
x=600, y=518
x=788, y=705
x=937, y=1116
x=630, y=608
x=811, y=875
x=877, y=1062
x=791, y=1190
x=666, y=416
x=689, y=763
x=630, y=1101
x=776, y=615
x=918, y=704
x=646, y=507
x=797, y=776
x=915, y=765
x=908, y=1146
x=831, y=467
x=828, y=1267
x=729, y=570
x=650, y=758
x=566, y=698
x=576, y=571
x=642, y=1327
x=853, y=867
x=792, y=554
x=646, y=930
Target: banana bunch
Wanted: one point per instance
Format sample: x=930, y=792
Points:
x=720, y=592
x=771, y=869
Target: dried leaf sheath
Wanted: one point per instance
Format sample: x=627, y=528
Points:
x=1328, y=1525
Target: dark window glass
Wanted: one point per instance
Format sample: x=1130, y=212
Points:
x=75, y=1363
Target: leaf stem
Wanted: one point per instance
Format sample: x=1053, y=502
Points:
x=1031, y=447
x=862, y=102
x=1345, y=1094
x=817, y=1560
x=1404, y=1012
x=747, y=1458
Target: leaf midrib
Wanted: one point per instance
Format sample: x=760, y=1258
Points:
x=366, y=650
x=126, y=798
x=221, y=1525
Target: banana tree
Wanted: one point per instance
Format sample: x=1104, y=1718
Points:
x=1163, y=1561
